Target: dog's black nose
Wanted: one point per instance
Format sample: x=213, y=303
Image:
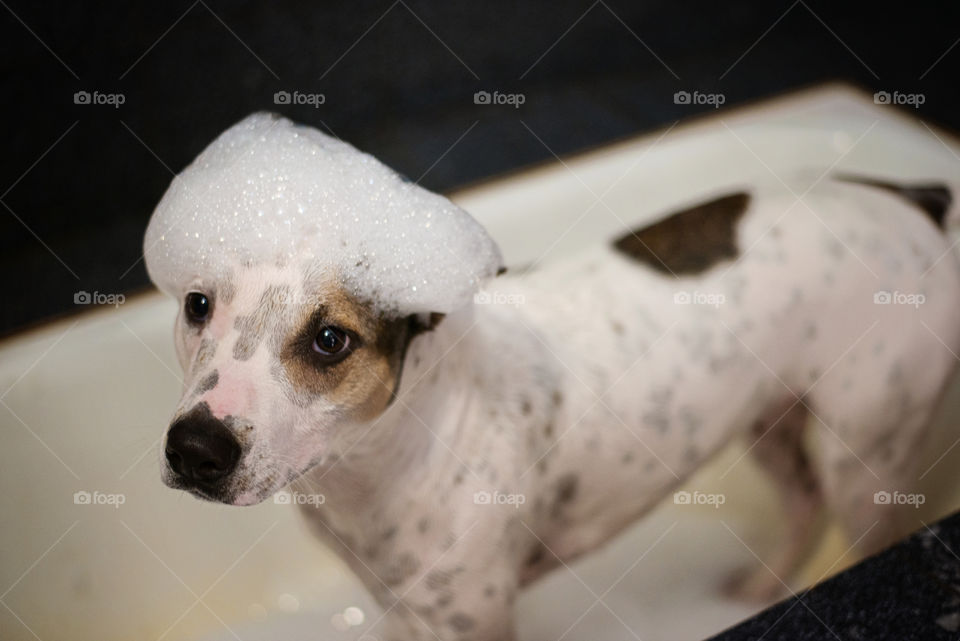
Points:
x=200, y=448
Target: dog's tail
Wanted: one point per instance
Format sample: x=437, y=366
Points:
x=939, y=200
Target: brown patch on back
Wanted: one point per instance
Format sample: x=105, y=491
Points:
x=933, y=199
x=689, y=241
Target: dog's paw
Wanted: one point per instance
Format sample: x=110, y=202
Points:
x=754, y=586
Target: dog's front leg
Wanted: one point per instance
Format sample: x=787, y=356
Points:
x=470, y=603
x=402, y=623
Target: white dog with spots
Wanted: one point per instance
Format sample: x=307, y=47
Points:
x=348, y=331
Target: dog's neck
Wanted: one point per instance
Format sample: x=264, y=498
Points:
x=394, y=450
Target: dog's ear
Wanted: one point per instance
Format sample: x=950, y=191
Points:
x=420, y=323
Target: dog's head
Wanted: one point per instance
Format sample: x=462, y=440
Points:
x=303, y=268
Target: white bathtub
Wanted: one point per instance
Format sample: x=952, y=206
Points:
x=85, y=401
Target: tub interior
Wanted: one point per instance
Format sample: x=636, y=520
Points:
x=85, y=401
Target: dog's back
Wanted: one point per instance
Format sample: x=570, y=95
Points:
x=838, y=307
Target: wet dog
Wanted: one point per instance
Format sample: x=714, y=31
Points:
x=469, y=430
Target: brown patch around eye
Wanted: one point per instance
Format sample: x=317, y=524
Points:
x=363, y=383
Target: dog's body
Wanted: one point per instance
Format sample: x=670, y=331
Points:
x=527, y=428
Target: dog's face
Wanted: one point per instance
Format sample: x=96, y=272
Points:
x=302, y=268
x=281, y=370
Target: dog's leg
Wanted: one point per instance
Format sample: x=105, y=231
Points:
x=864, y=486
x=778, y=448
x=449, y=603
x=872, y=431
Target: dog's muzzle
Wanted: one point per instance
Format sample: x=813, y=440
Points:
x=200, y=449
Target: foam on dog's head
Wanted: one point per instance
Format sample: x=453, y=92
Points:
x=269, y=191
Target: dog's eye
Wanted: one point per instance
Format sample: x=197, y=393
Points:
x=196, y=307
x=331, y=341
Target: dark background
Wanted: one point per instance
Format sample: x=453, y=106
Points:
x=78, y=182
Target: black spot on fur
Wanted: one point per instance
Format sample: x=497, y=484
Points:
x=208, y=347
x=536, y=555
x=689, y=241
x=565, y=491
x=567, y=488
x=208, y=383
x=401, y=569
x=438, y=579
x=461, y=622
x=933, y=199
x=254, y=327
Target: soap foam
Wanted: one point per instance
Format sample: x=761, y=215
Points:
x=268, y=191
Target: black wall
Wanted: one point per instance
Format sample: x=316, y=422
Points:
x=78, y=181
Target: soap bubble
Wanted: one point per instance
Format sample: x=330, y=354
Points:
x=268, y=191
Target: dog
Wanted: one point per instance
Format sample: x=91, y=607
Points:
x=467, y=430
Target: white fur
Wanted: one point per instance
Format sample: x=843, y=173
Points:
x=586, y=391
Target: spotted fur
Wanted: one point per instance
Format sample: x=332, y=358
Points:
x=462, y=457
